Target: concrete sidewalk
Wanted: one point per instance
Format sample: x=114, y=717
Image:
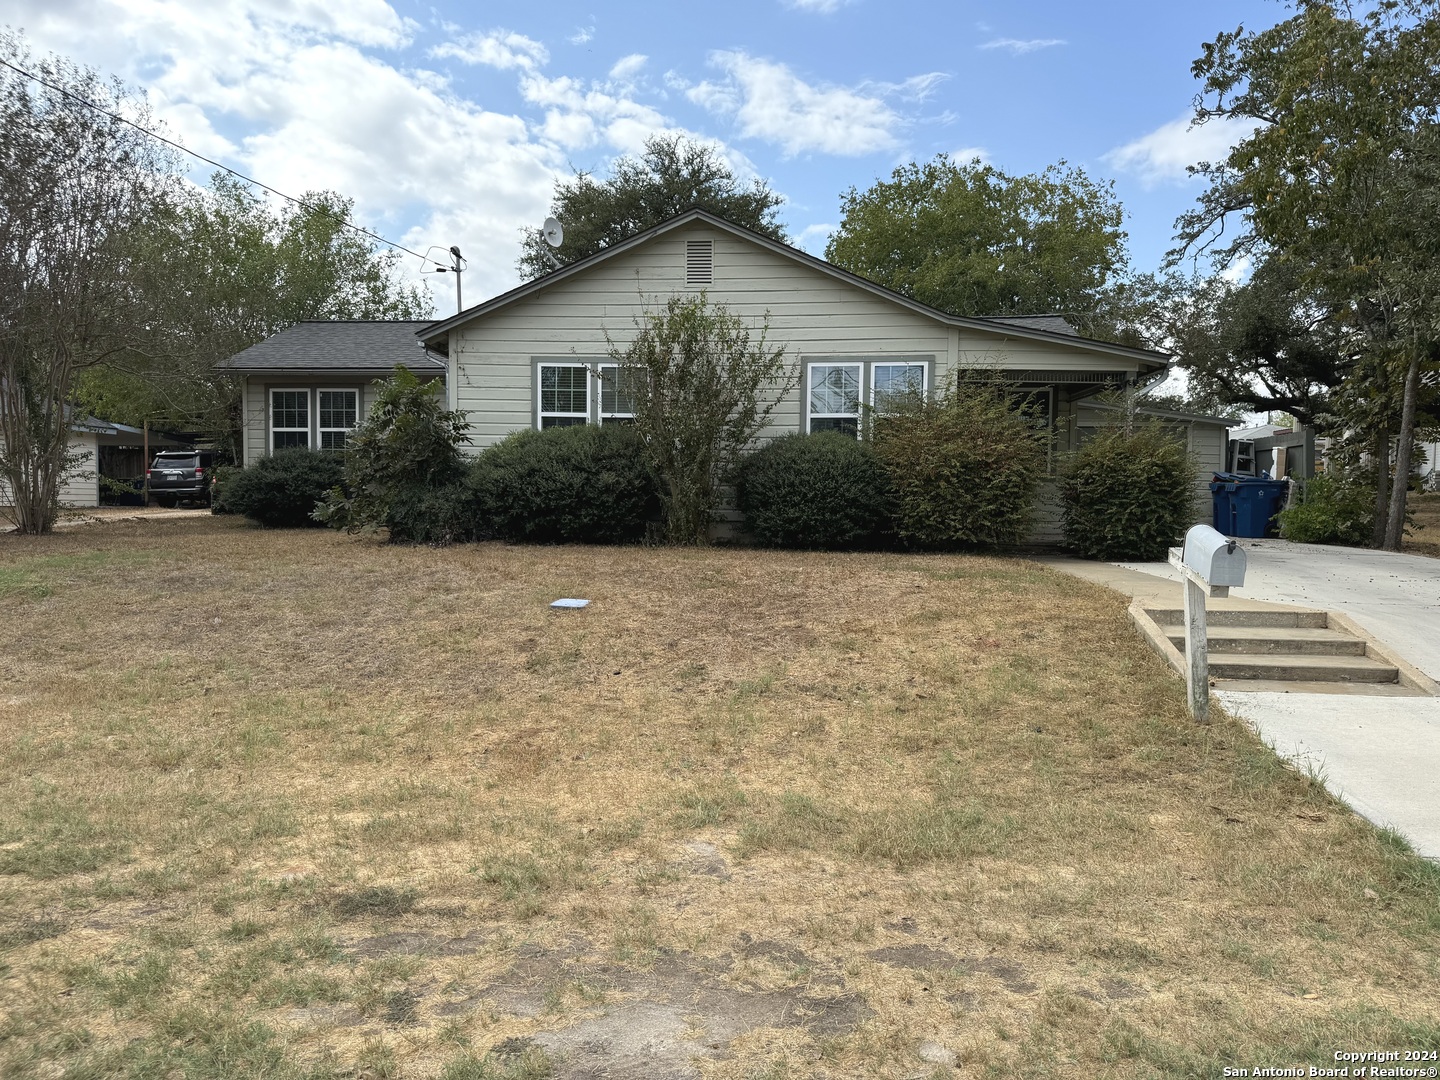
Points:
x=1380, y=754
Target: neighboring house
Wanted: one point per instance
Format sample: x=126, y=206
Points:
x=104, y=449
x=310, y=384
x=538, y=355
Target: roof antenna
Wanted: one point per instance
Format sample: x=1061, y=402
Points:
x=554, y=234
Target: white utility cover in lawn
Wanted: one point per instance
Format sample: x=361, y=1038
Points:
x=1380, y=754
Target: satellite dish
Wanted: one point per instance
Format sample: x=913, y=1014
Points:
x=553, y=232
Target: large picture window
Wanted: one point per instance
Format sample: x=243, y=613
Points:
x=564, y=395
x=289, y=418
x=833, y=398
x=339, y=412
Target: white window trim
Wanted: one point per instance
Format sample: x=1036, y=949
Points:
x=321, y=431
x=309, y=415
x=600, y=395
x=924, y=375
x=540, y=413
x=811, y=415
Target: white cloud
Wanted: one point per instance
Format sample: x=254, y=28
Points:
x=820, y=7
x=966, y=154
x=813, y=238
x=768, y=101
x=627, y=67
x=582, y=35
x=1163, y=155
x=916, y=88
x=1019, y=47
x=503, y=49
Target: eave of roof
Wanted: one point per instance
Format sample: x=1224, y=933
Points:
x=1223, y=421
x=296, y=348
x=437, y=329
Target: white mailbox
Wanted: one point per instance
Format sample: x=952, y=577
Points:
x=1216, y=558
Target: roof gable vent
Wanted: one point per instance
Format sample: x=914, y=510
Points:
x=699, y=262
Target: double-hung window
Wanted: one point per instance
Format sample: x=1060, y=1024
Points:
x=617, y=394
x=564, y=395
x=339, y=411
x=832, y=398
x=896, y=383
x=289, y=418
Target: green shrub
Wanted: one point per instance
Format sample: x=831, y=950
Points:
x=963, y=468
x=826, y=491
x=1330, y=510
x=1128, y=496
x=441, y=515
x=398, y=461
x=281, y=491
x=586, y=484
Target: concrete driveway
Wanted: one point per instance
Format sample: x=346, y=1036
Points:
x=1379, y=754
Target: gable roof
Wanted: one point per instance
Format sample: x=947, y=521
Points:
x=338, y=345
x=1036, y=327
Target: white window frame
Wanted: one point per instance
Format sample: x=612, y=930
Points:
x=924, y=376
x=320, y=430
x=307, y=429
x=603, y=416
x=540, y=413
x=811, y=415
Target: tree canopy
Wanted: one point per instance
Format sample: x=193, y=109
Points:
x=970, y=239
x=673, y=174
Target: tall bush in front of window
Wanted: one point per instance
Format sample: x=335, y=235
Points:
x=703, y=389
x=281, y=491
x=586, y=484
x=964, y=467
x=403, y=467
x=1128, y=494
x=828, y=492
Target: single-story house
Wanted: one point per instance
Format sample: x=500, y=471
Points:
x=537, y=356
x=309, y=384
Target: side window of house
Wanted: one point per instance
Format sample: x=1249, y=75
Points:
x=339, y=411
x=833, y=398
x=564, y=395
x=617, y=394
x=289, y=418
x=1037, y=405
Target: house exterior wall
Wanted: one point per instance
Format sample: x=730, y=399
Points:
x=82, y=487
x=256, y=396
x=815, y=316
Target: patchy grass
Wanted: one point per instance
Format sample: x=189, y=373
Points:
x=290, y=804
x=1424, y=537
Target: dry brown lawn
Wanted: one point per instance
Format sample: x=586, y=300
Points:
x=285, y=804
x=1424, y=537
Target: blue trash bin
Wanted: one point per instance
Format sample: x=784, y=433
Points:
x=1256, y=502
x=1222, y=494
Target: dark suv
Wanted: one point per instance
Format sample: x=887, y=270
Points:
x=176, y=475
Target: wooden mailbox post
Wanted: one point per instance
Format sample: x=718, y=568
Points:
x=1210, y=564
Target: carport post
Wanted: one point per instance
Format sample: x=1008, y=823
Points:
x=145, y=486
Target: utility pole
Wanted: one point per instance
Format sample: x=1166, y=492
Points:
x=456, y=267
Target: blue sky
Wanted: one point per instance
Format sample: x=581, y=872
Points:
x=448, y=123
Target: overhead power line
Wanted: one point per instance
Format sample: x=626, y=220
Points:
x=314, y=209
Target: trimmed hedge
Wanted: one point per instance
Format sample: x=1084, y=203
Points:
x=585, y=484
x=825, y=491
x=964, y=469
x=282, y=490
x=1128, y=497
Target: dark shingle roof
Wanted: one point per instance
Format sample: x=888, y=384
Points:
x=1054, y=324
x=336, y=346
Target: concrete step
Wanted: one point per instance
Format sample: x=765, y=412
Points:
x=1315, y=620
x=1296, y=667
x=1303, y=640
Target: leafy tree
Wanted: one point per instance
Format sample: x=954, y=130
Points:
x=74, y=182
x=702, y=391
x=408, y=443
x=222, y=269
x=672, y=175
x=1334, y=180
x=972, y=240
